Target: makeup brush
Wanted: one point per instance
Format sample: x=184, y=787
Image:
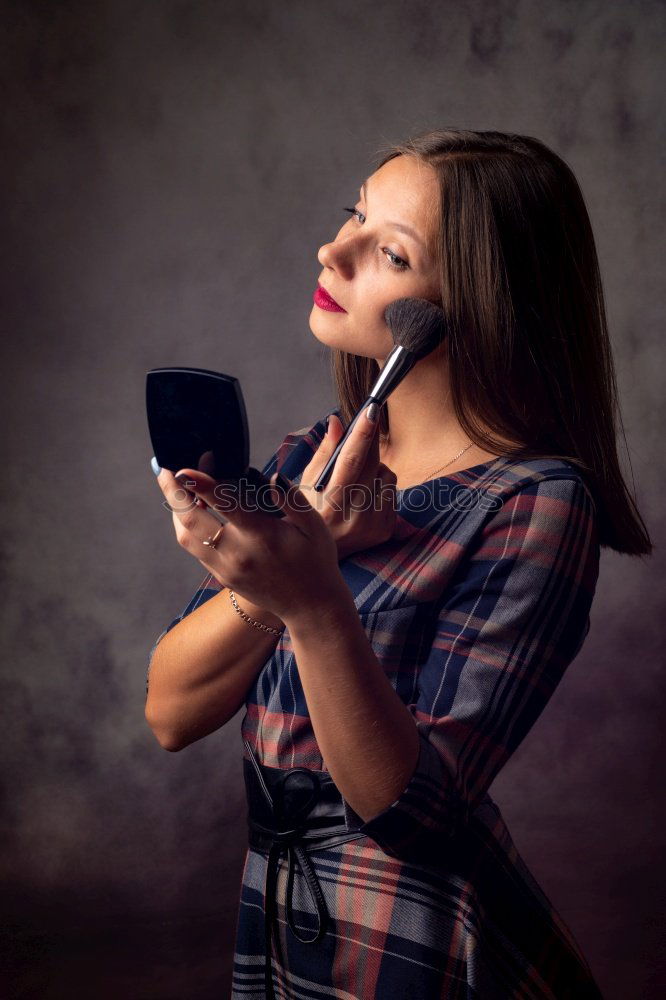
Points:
x=418, y=327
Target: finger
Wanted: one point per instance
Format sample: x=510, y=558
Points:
x=177, y=498
x=334, y=432
x=189, y=518
x=298, y=509
x=192, y=525
x=372, y=453
x=233, y=499
x=200, y=534
x=360, y=447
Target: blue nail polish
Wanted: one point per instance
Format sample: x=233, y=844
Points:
x=154, y=466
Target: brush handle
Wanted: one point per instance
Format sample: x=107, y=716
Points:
x=325, y=475
x=396, y=366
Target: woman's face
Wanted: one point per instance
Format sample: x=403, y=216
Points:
x=373, y=260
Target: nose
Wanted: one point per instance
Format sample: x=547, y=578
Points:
x=338, y=255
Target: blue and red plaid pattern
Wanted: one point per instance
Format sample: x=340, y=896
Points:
x=475, y=607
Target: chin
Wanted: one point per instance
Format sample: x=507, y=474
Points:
x=326, y=330
x=329, y=332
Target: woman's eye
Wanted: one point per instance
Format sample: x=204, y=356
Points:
x=355, y=211
x=397, y=263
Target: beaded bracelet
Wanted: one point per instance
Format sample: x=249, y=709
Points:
x=253, y=621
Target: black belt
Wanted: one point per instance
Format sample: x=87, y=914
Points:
x=286, y=809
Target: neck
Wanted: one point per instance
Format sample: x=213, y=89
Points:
x=423, y=428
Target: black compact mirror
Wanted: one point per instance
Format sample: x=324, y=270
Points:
x=197, y=420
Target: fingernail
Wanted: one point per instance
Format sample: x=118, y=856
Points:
x=328, y=424
x=185, y=481
x=154, y=466
x=371, y=412
x=283, y=482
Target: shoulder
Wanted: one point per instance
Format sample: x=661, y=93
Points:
x=545, y=522
x=535, y=555
x=539, y=512
x=538, y=477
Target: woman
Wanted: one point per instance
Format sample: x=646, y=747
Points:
x=392, y=654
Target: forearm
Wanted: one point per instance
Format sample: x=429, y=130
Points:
x=367, y=736
x=202, y=669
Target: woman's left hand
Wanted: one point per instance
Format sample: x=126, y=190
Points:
x=282, y=564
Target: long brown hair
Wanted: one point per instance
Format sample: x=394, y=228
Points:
x=528, y=349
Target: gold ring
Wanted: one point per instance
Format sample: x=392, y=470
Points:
x=213, y=541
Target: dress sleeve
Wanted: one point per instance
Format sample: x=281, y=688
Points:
x=513, y=617
x=291, y=456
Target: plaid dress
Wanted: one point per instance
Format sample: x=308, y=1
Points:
x=474, y=607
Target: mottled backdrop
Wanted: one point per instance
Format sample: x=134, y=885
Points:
x=171, y=170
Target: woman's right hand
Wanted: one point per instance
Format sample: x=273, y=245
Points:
x=357, y=518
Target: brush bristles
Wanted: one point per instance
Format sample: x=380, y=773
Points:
x=416, y=324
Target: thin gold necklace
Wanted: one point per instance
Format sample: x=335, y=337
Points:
x=431, y=474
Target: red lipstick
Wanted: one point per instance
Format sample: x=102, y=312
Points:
x=322, y=299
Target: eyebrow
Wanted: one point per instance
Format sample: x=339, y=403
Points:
x=396, y=225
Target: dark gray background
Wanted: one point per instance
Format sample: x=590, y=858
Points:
x=171, y=170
